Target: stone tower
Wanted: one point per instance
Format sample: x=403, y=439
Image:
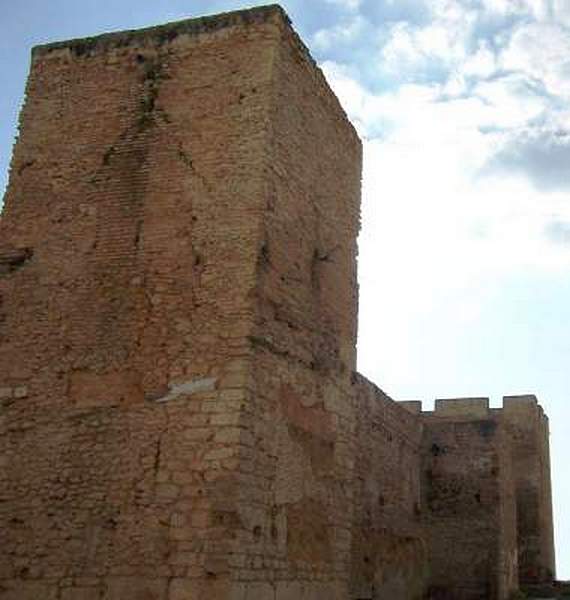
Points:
x=529, y=429
x=178, y=294
x=486, y=493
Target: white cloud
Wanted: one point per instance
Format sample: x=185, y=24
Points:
x=343, y=33
x=441, y=43
x=444, y=235
x=441, y=232
x=510, y=104
x=542, y=52
x=561, y=12
x=415, y=48
x=352, y=5
x=483, y=63
x=538, y=9
x=424, y=200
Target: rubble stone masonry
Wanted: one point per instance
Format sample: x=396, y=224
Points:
x=486, y=496
x=180, y=415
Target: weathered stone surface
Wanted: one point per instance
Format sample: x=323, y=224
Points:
x=23, y=590
x=81, y=593
x=141, y=588
x=486, y=494
x=528, y=425
x=181, y=418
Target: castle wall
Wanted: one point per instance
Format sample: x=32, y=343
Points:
x=500, y=458
x=469, y=502
x=389, y=553
x=528, y=426
x=134, y=201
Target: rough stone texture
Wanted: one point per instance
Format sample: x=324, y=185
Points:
x=180, y=416
x=469, y=505
x=486, y=495
x=389, y=553
x=130, y=245
x=528, y=426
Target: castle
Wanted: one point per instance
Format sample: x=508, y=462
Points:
x=179, y=409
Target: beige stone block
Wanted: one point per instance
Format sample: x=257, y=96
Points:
x=200, y=518
x=185, y=559
x=336, y=401
x=330, y=591
x=198, y=589
x=212, y=406
x=87, y=581
x=136, y=588
x=183, y=477
x=233, y=394
x=182, y=534
x=228, y=435
x=81, y=593
x=231, y=464
x=238, y=591
x=27, y=590
x=219, y=454
x=178, y=520
x=260, y=591
x=21, y=392
x=5, y=392
x=289, y=590
x=197, y=434
x=234, y=380
x=163, y=476
x=167, y=491
x=232, y=418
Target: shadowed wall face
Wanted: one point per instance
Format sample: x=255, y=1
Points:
x=486, y=494
x=389, y=553
x=528, y=426
x=469, y=509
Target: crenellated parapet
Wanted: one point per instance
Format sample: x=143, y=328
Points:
x=514, y=408
x=472, y=450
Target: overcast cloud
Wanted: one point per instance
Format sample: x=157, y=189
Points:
x=471, y=96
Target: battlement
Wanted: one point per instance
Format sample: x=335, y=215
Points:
x=458, y=431
x=524, y=406
x=413, y=406
x=462, y=407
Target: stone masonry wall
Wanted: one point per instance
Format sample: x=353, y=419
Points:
x=528, y=425
x=180, y=417
x=306, y=412
x=487, y=494
x=389, y=552
x=128, y=257
x=469, y=502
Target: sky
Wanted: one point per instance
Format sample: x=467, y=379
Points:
x=464, y=254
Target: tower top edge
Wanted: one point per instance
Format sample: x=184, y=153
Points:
x=162, y=34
